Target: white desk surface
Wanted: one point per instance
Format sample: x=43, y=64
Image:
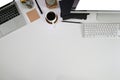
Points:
x=38, y=51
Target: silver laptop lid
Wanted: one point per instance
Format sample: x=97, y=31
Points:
x=96, y=6
x=5, y=2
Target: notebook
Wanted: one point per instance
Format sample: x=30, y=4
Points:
x=11, y=17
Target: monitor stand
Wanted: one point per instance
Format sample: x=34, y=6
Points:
x=102, y=18
x=108, y=17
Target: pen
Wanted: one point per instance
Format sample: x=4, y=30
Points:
x=38, y=7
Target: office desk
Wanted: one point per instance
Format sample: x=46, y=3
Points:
x=39, y=51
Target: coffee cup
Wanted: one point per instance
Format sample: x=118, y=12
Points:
x=51, y=17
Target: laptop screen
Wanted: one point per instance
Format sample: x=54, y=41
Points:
x=4, y=2
x=98, y=5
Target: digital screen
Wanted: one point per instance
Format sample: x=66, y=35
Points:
x=98, y=5
x=4, y=2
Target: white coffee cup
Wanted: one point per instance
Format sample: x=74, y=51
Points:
x=51, y=17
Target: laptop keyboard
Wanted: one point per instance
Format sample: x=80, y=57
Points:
x=100, y=30
x=8, y=13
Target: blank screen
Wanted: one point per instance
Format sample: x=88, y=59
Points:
x=4, y=2
x=98, y=5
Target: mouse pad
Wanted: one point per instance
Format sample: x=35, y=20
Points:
x=33, y=15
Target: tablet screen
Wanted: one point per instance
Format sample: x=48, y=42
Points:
x=98, y=5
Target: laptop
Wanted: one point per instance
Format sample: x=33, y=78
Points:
x=101, y=19
x=11, y=18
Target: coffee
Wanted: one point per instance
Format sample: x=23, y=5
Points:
x=51, y=16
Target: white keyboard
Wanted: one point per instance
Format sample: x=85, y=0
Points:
x=100, y=30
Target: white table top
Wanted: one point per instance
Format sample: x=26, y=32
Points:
x=38, y=51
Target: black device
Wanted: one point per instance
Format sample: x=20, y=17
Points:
x=67, y=8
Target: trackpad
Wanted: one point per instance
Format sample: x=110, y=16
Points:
x=110, y=17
